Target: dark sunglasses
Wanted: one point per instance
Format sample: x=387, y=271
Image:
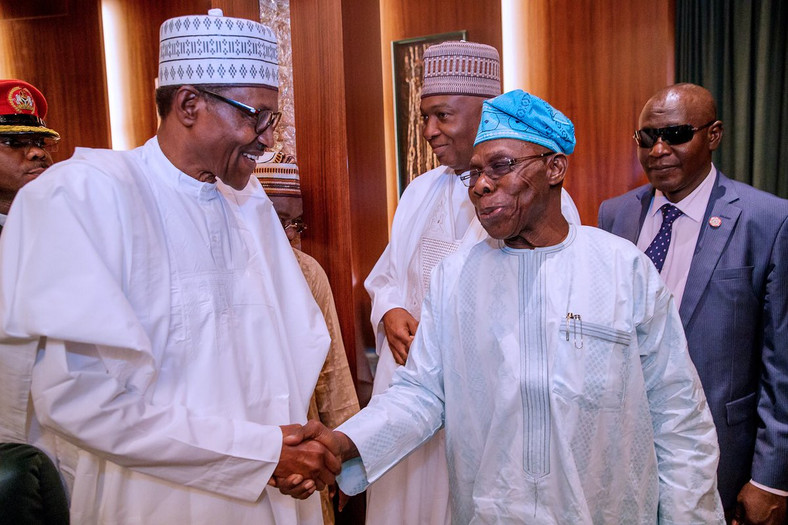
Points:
x=672, y=135
x=23, y=142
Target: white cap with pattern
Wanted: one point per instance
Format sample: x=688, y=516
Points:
x=215, y=49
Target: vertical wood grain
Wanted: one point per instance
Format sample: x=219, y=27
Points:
x=603, y=60
x=63, y=57
x=336, y=87
x=138, y=25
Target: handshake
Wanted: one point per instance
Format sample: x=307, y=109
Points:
x=311, y=458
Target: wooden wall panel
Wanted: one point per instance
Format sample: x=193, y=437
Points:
x=61, y=55
x=402, y=19
x=365, y=142
x=602, y=60
x=137, y=33
x=338, y=107
x=138, y=23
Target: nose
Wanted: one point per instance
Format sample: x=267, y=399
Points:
x=266, y=138
x=659, y=149
x=430, y=130
x=483, y=185
x=36, y=153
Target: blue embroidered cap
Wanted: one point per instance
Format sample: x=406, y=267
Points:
x=520, y=115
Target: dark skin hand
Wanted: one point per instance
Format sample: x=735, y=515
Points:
x=756, y=506
x=400, y=327
x=301, y=487
x=310, y=465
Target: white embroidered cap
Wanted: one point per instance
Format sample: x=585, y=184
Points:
x=215, y=49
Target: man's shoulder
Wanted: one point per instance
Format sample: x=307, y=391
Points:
x=417, y=188
x=754, y=199
x=93, y=164
x=308, y=263
x=625, y=200
x=92, y=176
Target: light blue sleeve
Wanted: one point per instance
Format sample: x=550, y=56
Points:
x=684, y=434
x=405, y=416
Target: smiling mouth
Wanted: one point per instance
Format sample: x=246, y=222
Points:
x=251, y=157
x=489, y=212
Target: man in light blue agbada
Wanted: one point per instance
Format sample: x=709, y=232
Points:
x=552, y=354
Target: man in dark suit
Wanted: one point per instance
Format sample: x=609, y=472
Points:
x=722, y=248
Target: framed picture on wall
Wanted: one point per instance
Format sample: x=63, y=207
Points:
x=414, y=155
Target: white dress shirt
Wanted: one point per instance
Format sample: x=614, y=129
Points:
x=685, y=232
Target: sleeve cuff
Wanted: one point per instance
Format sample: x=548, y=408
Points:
x=769, y=489
x=353, y=478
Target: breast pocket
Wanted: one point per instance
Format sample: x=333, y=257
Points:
x=595, y=368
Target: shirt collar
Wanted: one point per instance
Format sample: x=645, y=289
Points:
x=694, y=204
x=175, y=177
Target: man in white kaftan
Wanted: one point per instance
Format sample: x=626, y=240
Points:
x=162, y=303
x=434, y=218
x=552, y=354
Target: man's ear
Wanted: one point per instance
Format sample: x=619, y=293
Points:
x=556, y=168
x=186, y=105
x=715, y=135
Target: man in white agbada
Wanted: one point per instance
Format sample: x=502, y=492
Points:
x=434, y=218
x=552, y=354
x=176, y=337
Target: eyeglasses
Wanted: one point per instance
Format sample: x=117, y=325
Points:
x=48, y=144
x=671, y=135
x=265, y=117
x=297, y=224
x=497, y=169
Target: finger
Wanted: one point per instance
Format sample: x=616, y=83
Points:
x=400, y=354
x=303, y=491
x=321, y=483
x=400, y=358
x=286, y=484
x=294, y=479
x=317, y=431
x=332, y=462
x=343, y=499
x=326, y=476
x=296, y=490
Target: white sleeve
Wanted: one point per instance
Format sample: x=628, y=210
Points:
x=684, y=434
x=383, y=287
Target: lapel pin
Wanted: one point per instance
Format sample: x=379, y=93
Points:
x=715, y=222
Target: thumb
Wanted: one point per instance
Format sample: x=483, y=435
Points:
x=292, y=434
x=316, y=430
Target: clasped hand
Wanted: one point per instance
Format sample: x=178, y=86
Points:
x=310, y=460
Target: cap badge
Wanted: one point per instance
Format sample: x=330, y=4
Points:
x=21, y=100
x=715, y=222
